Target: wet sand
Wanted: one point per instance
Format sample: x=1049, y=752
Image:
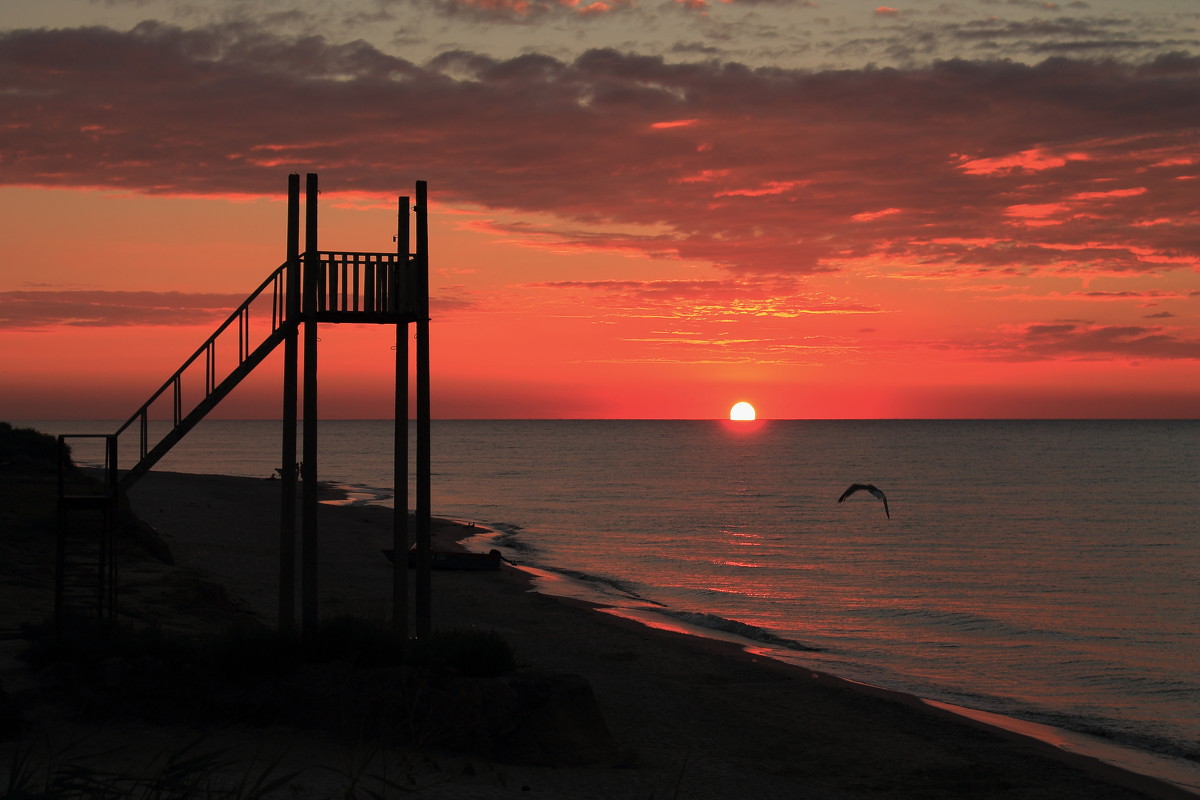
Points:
x=695, y=718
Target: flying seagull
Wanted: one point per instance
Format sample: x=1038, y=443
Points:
x=870, y=487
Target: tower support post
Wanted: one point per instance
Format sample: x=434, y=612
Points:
x=287, y=509
x=424, y=524
x=400, y=532
x=308, y=540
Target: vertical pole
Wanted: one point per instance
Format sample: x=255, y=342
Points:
x=308, y=543
x=423, y=506
x=291, y=356
x=105, y=544
x=400, y=445
x=112, y=491
x=60, y=543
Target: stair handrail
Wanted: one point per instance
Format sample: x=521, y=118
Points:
x=381, y=277
x=241, y=315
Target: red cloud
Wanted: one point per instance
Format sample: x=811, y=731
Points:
x=758, y=297
x=1032, y=160
x=678, y=123
x=1066, y=165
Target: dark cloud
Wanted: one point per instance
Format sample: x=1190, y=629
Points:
x=28, y=310
x=1150, y=297
x=1056, y=329
x=526, y=11
x=1055, y=30
x=1035, y=5
x=444, y=304
x=1051, y=341
x=1065, y=35
x=696, y=49
x=1067, y=165
x=1073, y=28
x=796, y=3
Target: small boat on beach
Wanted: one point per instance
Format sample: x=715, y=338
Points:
x=459, y=560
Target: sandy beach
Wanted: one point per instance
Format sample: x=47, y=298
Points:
x=689, y=717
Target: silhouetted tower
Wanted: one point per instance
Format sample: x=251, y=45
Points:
x=312, y=287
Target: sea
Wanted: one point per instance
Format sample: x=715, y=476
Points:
x=1041, y=575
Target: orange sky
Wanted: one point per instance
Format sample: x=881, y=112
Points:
x=614, y=234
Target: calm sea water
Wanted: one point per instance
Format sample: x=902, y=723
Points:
x=1044, y=570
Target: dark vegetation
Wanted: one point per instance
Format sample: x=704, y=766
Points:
x=28, y=506
x=354, y=676
x=459, y=690
x=25, y=450
x=28, y=486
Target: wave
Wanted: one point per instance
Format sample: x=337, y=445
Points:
x=506, y=535
x=357, y=494
x=969, y=622
x=625, y=591
x=624, y=588
x=1138, y=736
x=745, y=630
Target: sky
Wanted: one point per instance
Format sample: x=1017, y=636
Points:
x=639, y=208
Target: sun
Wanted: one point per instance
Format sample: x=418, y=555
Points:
x=742, y=411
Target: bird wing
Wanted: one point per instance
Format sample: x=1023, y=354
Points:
x=870, y=487
x=875, y=490
x=854, y=487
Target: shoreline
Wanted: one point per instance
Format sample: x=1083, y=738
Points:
x=1175, y=772
x=187, y=511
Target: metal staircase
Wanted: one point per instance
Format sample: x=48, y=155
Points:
x=351, y=287
x=249, y=355
x=311, y=287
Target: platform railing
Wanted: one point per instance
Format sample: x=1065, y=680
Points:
x=363, y=282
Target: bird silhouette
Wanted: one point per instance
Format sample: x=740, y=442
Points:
x=868, y=487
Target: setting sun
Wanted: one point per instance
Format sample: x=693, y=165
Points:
x=742, y=411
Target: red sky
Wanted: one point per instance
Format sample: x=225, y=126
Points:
x=640, y=210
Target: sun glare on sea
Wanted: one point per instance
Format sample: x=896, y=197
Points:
x=742, y=411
